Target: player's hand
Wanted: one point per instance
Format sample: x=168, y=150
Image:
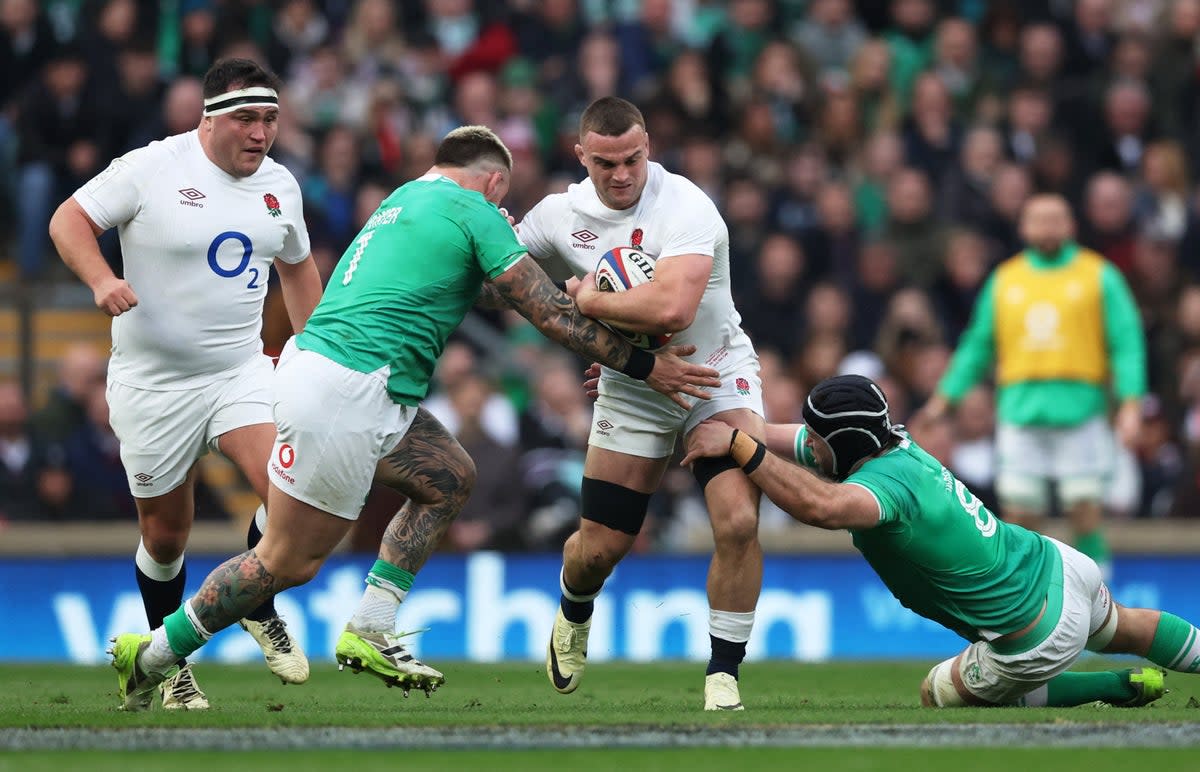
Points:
x=583, y=292
x=591, y=383
x=675, y=377
x=935, y=409
x=711, y=439
x=1129, y=422
x=511, y=220
x=114, y=296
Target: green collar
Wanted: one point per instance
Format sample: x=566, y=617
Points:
x=1062, y=257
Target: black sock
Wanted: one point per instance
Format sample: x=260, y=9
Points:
x=160, y=598
x=726, y=656
x=267, y=609
x=577, y=611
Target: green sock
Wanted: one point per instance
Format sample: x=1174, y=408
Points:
x=386, y=576
x=1095, y=546
x=182, y=635
x=1071, y=689
x=1176, y=645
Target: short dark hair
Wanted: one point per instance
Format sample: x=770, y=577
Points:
x=246, y=73
x=468, y=144
x=610, y=117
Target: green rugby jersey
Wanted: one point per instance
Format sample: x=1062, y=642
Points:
x=942, y=553
x=408, y=279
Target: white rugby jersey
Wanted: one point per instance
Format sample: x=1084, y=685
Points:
x=568, y=232
x=198, y=245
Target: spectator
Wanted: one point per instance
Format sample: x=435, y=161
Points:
x=21, y=459
x=1161, y=205
x=497, y=418
x=911, y=42
x=956, y=64
x=99, y=486
x=882, y=157
x=966, y=188
x=830, y=36
x=1128, y=128
x=81, y=372
x=877, y=279
x=1108, y=224
x=913, y=229
x=62, y=138
x=1029, y=114
x=966, y=266
x=490, y=518
x=772, y=313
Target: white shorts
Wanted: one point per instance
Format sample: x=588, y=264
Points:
x=1002, y=679
x=630, y=417
x=162, y=433
x=1078, y=458
x=333, y=425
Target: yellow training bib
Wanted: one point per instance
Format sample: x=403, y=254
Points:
x=1050, y=321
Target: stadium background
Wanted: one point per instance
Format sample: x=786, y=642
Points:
x=869, y=157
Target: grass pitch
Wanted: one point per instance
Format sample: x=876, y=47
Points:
x=876, y=703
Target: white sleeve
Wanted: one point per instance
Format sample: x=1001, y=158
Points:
x=696, y=226
x=114, y=196
x=534, y=232
x=296, y=245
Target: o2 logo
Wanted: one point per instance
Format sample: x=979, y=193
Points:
x=240, y=268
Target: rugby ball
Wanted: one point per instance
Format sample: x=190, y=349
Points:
x=622, y=268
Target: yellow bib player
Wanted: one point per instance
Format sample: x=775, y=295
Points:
x=1061, y=326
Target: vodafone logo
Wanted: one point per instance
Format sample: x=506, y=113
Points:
x=287, y=456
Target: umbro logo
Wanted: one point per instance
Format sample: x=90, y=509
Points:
x=603, y=426
x=143, y=478
x=191, y=197
x=582, y=239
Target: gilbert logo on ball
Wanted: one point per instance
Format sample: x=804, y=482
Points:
x=623, y=268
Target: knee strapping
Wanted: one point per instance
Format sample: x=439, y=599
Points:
x=705, y=469
x=614, y=506
x=940, y=685
x=1098, y=640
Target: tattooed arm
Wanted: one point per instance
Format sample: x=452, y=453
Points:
x=526, y=288
x=490, y=298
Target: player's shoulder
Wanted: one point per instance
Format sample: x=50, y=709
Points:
x=679, y=200
x=550, y=208
x=273, y=172
x=161, y=152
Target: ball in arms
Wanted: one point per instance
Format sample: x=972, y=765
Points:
x=623, y=268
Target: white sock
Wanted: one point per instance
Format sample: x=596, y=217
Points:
x=158, y=656
x=377, y=609
x=260, y=519
x=159, y=572
x=732, y=626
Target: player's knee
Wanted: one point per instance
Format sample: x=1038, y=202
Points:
x=938, y=690
x=735, y=528
x=295, y=571
x=165, y=542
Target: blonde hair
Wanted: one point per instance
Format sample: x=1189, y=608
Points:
x=469, y=144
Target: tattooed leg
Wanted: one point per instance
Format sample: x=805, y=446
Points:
x=233, y=590
x=436, y=474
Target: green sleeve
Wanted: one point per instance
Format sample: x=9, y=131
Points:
x=1123, y=332
x=495, y=241
x=895, y=499
x=976, y=347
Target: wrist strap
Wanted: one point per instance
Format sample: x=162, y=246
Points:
x=746, y=451
x=640, y=364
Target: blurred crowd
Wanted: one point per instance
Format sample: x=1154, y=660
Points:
x=870, y=159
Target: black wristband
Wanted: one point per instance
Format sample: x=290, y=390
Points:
x=640, y=364
x=759, y=454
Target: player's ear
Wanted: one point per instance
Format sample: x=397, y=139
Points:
x=579, y=154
